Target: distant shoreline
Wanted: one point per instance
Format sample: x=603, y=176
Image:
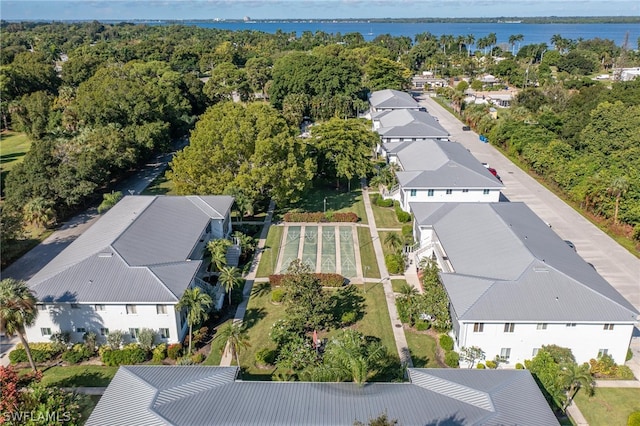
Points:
x=511, y=20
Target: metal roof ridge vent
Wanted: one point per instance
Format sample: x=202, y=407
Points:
x=540, y=269
x=105, y=254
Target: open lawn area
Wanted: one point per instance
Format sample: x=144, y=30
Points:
x=337, y=201
x=423, y=349
x=269, y=258
x=609, y=406
x=160, y=186
x=396, y=285
x=13, y=147
x=78, y=375
x=262, y=313
x=367, y=254
x=385, y=216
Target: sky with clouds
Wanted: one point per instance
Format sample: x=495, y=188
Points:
x=307, y=9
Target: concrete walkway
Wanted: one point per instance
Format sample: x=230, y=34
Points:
x=396, y=324
x=250, y=278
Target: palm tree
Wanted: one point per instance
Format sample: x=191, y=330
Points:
x=408, y=293
x=236, y=337
x=513, y=39
x=469, y=40
x=575, y=377
x=393, y=241
x=39, y=212
x=619, y=186
x=229, y=278
x=17, y=311
x=352, y=357
x=197, y=304
x=492, y=39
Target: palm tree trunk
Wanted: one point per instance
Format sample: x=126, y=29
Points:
x=190, y=334
x=615, y=213
x=27, y=349
x=230, y=290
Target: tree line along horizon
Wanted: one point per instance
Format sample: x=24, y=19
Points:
x=98, y=99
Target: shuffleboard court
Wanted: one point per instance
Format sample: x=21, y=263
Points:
x=310, y=247
x=347, y=252
x=328, y=255
x=291, y=241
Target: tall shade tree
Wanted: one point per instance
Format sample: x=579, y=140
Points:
x=229, y=278
x=345, y=148
x=17, y=311
x=197, y=303
x=383, y=73
x=236, y=337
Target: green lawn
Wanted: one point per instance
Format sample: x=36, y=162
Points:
x=385, y=216
x=160, y=186
x=376, y=320
x=269, y=258
x=336, y=200
x=397, y=285
x=367, y=254
x=78, y=375
x=609, y=406
x=217, y=346
x=13, y=147
x=422, y=348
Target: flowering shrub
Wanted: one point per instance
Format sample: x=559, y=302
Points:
x=320, y=217
x=326, y=280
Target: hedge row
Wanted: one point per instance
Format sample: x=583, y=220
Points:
x=129, y=355
x=320, y=217
x=41, y=352
x=378, y=200
x=326, y=280
x=401, y=214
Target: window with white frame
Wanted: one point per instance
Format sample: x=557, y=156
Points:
x=46, y=331
x=449, y=191
x=542, y=326
x=164, y=333
x=478, y=327
x=429, y=192
x=104, y=331
x=534, y=352
x=608, y=326
x=465, y=190
x=161, y=309
x=81, y=330
x=75, y=306
x=485, y=191
x=413, y=192
x=134, y=332
x=571, y=324
x=131, y=309
x=99, y=307
x=43, y=307
x=505, y=353
x=602, y=352
x=509, y=327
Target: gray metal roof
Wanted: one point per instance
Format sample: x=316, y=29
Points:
x=392, y=99
x=409, y=123
x=138, y=252
x=434, y=164
x=510, y=266
x=199, y=395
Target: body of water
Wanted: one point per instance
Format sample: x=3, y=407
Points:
x=533, y=33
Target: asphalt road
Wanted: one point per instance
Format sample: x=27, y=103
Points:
x=34, y=260
x=612, y=261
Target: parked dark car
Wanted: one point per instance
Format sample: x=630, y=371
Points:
x=466, y=128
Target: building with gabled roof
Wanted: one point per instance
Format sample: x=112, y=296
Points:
x=515, y=286
x=407, y=125
x=439, y=171
x=389, y=99
x=201, y=395
x=130, y=268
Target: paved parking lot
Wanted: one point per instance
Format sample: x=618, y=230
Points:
x=612, y=261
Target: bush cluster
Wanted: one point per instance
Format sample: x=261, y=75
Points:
x=129, y=355
x=320, y=217
x=174, y=350
x=159, y=353
x=446, y=342
x=41, y=352
x=480, y=366
x=422, y=325
x=452, y=359
x=378, y=200
x=277, y=295
x=326, y=280
x=265, y=356
x=395, y=263
x=605, y=367
x=492, y=364
x=77, y=353
x=634, y=419
x=401, y=214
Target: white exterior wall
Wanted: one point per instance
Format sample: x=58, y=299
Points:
x=584, y=340
x=456, y=196
x=62, y=317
